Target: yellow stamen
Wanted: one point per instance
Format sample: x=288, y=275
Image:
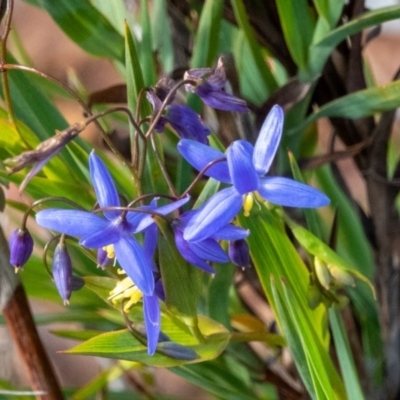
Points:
x=109, y=250
x=248, y=201
x=126, y=289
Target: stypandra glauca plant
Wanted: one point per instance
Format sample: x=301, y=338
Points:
x=154, y=245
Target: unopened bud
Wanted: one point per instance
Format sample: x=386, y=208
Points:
x=21, y=247
x=322, y=272
x=313, y=296
x=239, y=253
x=62, y=272
x=342, y=277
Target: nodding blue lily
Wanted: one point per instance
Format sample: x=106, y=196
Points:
x=112, y=231
x=245, y=169
x=182, y=119
x=210, y=87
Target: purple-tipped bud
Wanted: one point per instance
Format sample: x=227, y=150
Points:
x=21, y=247
x=62, y=272
x=239, y=253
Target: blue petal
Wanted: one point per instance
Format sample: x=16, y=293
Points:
x=231, y=232
x=187, y=253
x=187, y=123
x=287, y=192
x=199, y=155
x=209, y=250
x=243, y=174
x=219, y=99
x=134, y=262
x=71, y=222
x=268, y=140
x=101, y=238
x=151, y=310
x=104, y=186
x=218, y=211
x=150, y=241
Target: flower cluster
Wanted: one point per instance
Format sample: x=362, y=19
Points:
x=127, y=235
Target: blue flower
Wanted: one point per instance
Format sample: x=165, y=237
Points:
x=115, y=228
x=245, y=168
x=208, y=249
x=186, y=123
x=210, y=87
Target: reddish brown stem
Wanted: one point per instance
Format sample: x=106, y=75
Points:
x=18, y=317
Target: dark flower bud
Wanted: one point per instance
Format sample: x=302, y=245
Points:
x=21, y=247
x=239, y=253
x=62, y=272
x=77, y=283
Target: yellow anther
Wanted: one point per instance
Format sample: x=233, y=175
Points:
x=126, y=289
x=109, y=250
x=248, y=201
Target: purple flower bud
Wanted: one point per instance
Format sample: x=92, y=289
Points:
x=21, y=247
x=239, y=253
x=62, y=272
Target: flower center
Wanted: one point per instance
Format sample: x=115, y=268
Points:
x=126, y=290
x=248, y=201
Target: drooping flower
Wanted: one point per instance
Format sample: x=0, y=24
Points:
x=62, y=271
x=239, y=253
x=43, y=153
x=208, y=249
x=21, y=247
x=114, y=228
x=210, y=87
x=245, y=169
x=182, y=119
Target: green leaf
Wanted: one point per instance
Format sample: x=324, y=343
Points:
x=329, y=11
x=206, y=40
x=146, y=46
x=123, y=346
x=87, y=27
x=100, y=285
x=354, y=247
x=267, y=82
x=360, y=104
x=96, y=385
x=318, y=248
x=215, y=377
x=298, y=27
x=326, y=381
x=320, y=51
x=282, y=273
x=343, y=351
x=161, y=34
